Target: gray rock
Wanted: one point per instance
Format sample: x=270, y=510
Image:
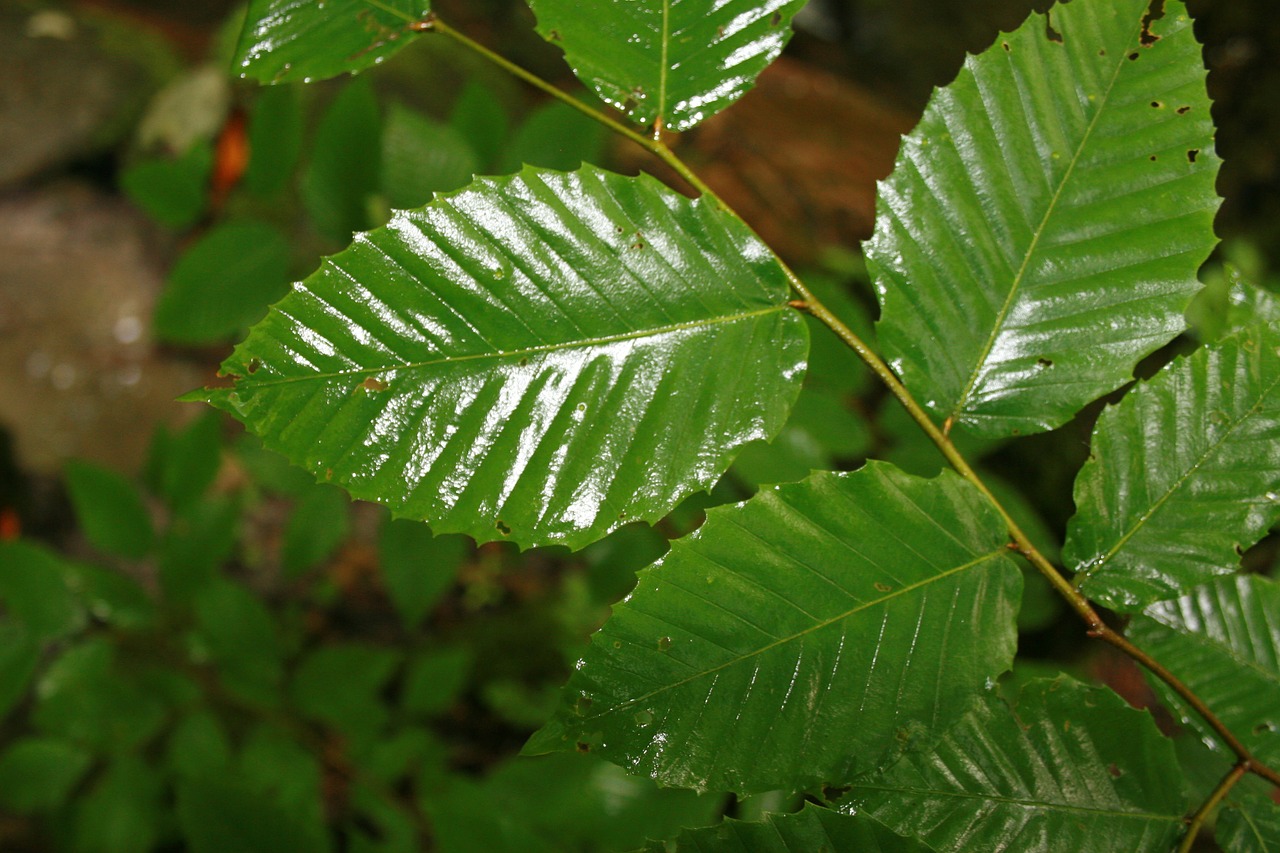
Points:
x=79, y=375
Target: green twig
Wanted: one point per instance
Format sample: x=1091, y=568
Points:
x=939, y=436
x=1197, y=820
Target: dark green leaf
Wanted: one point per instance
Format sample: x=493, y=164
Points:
x=340, y=685
x=417, y=567
x=186, y=462
x=122, y=812
x=275, y=140
x=196, y=545
x=110, y=510
x=543, y=357
x=675, y=62
x=236, y=632
x=1184, y=475
x=434, y=679
x=199, y=747
x=86, y=698
x=112, y=597
x=1073, y=769
x=37, y=774
x=807, y=635
x=345, y=166
x=172, y=192
x=479, y=117
x=19, y=655
x=575, y=802
x=821, y=432
x=223, y=283
x=276, y=767
x=1043, y=226
x=554, y=136
x=288, y=40
x=421, y=157
x=813, y=830
x=1223, y=640
x=36, y=591
x=316, y=528
x=1251, y=824
x=221, y=815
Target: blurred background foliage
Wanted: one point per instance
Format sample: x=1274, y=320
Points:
x=201, y=648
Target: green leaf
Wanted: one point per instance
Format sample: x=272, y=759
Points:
x=1251, y=824
x=291, y=40
x=575, y=802
x=340, y=685
x=811, y=830
x=218, y=815
x=1073, y=768
x=316, y=528
x=555, y=136
x=479, y=117
x=36, y=591
x=20, y=653
x=223, y=283
x=417, y=567
x=109, y=509
x=37, y=774
x=112, y=597
x=345, y=165
x=820, y=432
x=1184, y=475
x=421, y=157
x=199, y=747
x=434, y=679
x=275, y=140
x=172, y=192
x=236, y=632
x=807, y=635
x=184, y=464
x=1223, y=640
x=122, y=812
x=1042, y=228
x=675, y=62
x=85, y=697
x=542, y=357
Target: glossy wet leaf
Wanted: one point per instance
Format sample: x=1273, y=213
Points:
x=1042, y=228
x=812, y=830
x=673, y=61
x=807, y=635
x=1073, y=768
x=542, y=357
x=1223, y=640
x=1184, y=475
x=304, y=40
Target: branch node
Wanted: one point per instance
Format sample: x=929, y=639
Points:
x=426, y=25
x=800, y=305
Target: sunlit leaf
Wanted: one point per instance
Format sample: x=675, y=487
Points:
x=807, y=635
x=1071, y=768
x=542, y=357
x=1042, y=228
x=671, y=61
x=1184, y=475
x=288, y=40
x=1223, y=640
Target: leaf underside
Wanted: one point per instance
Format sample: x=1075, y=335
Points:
x=811, y=830
x=1184, y=475
x=671, y=61
x=807, y=635
x=541, y=358
x=1042, y=228
x=1071, y=768
x=285, y=41
x=1223, y=640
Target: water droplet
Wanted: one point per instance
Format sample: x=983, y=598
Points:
x=664, y=643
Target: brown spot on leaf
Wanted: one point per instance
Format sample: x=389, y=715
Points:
x=373, y=383
x=1183, y=110
x=503, y=528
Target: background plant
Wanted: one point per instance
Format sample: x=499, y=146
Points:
x=799, y=600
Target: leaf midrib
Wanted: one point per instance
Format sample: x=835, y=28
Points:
x=1016, y=284
x=252, y=383
x=781, y=641
x=1016, y=801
